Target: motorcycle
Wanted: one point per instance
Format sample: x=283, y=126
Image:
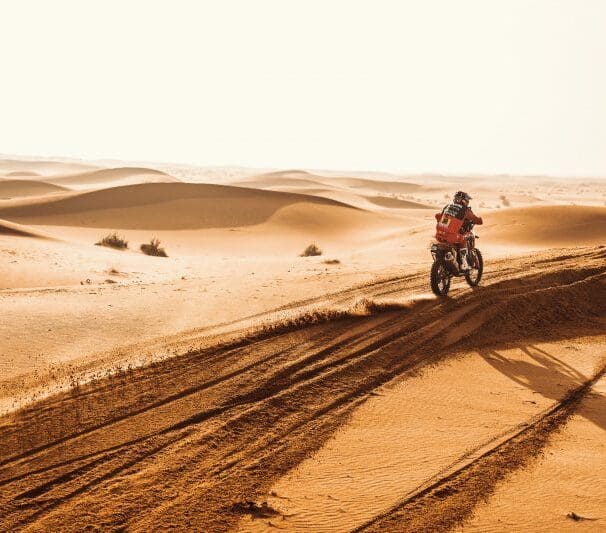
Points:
x=447, y=263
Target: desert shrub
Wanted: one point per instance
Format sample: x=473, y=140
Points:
x=332, y=262
x=113, y=240
x=311, y=250
x=153, y=248
x=504, y=200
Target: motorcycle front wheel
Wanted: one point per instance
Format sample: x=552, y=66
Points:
x=440, y=279
x=474, y=276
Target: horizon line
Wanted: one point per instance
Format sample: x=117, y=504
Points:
x=402, y=173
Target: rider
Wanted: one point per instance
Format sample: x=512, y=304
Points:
x=455, y=223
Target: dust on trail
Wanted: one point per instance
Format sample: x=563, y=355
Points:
x=188, y=441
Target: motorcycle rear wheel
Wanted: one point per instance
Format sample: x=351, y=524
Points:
x=440, y=279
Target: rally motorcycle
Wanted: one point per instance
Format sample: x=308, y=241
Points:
x=448, y=261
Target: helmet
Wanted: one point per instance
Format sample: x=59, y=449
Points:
x=462, y=198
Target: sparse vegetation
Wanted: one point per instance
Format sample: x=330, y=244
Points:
x=504, y=200
x=113, y=240
x=153, y=248
x=311, y=250
x=332, y=262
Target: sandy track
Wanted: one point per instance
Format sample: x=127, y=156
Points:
x=186, y=441
x=568, y=478
x=447, y=501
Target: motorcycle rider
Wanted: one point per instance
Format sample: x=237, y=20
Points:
x=454, y=226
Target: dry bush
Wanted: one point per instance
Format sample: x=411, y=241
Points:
x=311, y=250
x=332, y=262
x=113, y=240
x=504, y=200
x=153, y=248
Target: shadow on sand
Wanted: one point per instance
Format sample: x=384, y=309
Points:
x=549, y=376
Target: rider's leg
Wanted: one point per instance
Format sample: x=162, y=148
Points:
x=464, y=254
x=469, y=242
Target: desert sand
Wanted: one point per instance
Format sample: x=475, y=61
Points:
x=236, y=385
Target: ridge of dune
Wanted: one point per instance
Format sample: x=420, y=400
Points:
x=108, y=175
x=18, y=230
x=287, y=173
x=396, y=203
x=21, y=173
x=43, y=167
x=378, y=185
x=349, y=188
x=568, y=300
x=283, y=178
x=305, y=178
x=166, y=206
x=12, y=188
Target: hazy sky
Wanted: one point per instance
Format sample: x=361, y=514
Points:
x=447, y=86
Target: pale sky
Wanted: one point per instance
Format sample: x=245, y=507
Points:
x=509, y=86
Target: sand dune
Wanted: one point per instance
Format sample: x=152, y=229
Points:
x=42, y=167
x=286, y=178
x=18, y=188
x=547, y=225
x=396, y=203
x=300, y=178
x=114, y=176
x=395, y=187
x=21, y=173
x=171, y=206
x=10, y=228
x=353, y=191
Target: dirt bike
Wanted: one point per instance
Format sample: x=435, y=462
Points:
x=447, y=260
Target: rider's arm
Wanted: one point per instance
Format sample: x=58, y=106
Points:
x=469, y=215
x=438, y=216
